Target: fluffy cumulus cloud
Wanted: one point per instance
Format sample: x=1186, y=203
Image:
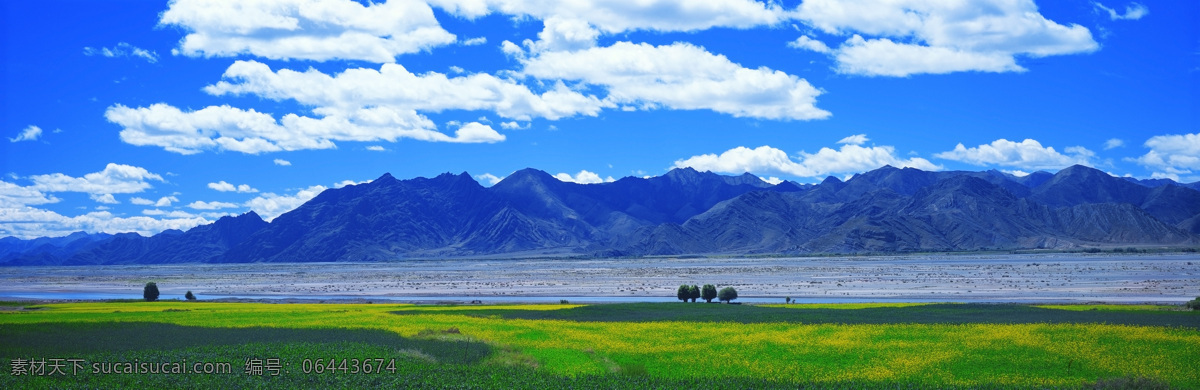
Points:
x=1175, y=156
x=114, y=179
x=681, y=76
x=356, y=91
x=808, y=43
x=317, y=30
x=766, y=160
x=1133, y=11
x=228, y=187
x=19, y=218
x=30, y=222
x=202, y=205
x=30, y=133
x=270, y=205
x=1027, y=154
x=621, y=16
x=248, y=131
x=906, y=37
x=583, y=177
x=13, y=195
x=123, y=49
x=488, y=179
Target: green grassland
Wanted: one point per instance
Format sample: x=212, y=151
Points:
x=639, y=345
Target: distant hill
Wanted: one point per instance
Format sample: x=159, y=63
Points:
x=530, y=213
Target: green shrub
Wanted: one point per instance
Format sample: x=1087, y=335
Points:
x=1193, y=304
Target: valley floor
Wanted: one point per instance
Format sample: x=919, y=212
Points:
x=1128, y=278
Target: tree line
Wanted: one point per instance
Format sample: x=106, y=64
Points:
x=707, y=293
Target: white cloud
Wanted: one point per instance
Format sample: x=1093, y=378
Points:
x=488, y=179
x=317, y=30
x=1016, y=172
x=1027, y=154
x=12, y=195
x=1172, y=155
x=848, y=159
x=247, y=131
x=202, y=205
x=165, y=201
x=857, y=139
x=270, y=205
x=1113, y=143
x=122, y=49
x=620, y=16
x=141, y=201
x=228, y=187
x=808, y=43
x=514, y=126
x=476, y=132
x=169, y=214
x=376, y=148
x=563, y=34
x=882, y=57
x=681, y=76
x=773, y=180
x=114, y=179
x=30, y=133
x=1133, y=11
x=355, y=92
x=475, y=41
x=905, y=37
x=104, y=198
x=344, y=183
x=283, y=163
x=29, y=222
x=583, y=177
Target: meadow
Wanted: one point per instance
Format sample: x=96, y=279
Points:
x=640, y=345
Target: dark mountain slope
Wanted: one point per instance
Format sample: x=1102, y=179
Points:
x=531, y=213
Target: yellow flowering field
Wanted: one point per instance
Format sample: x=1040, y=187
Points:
x=1017, y=354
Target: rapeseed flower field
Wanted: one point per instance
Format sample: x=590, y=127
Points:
x=728, y=344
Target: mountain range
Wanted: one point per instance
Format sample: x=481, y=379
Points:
x=684, y=212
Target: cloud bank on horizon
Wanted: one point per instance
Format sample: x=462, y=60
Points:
x=295, y=96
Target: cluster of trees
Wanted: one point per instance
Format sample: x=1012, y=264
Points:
x=150, y=293
x=707, y=293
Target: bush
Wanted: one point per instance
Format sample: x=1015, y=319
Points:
x=189, y=296
x=709, y=292
x=727, y=294
x=150, y=292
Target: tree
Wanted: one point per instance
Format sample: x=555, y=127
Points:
x=1193, y=304
x=694, y=292
x=683, y=293
x=189, y=296
x=150, y=292
x=709, y=292
x=727, y=294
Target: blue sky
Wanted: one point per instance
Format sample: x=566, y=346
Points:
x=141, y=116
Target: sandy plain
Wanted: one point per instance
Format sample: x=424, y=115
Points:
x=1127, y=278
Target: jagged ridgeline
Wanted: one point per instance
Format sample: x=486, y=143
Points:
x=530, y=213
